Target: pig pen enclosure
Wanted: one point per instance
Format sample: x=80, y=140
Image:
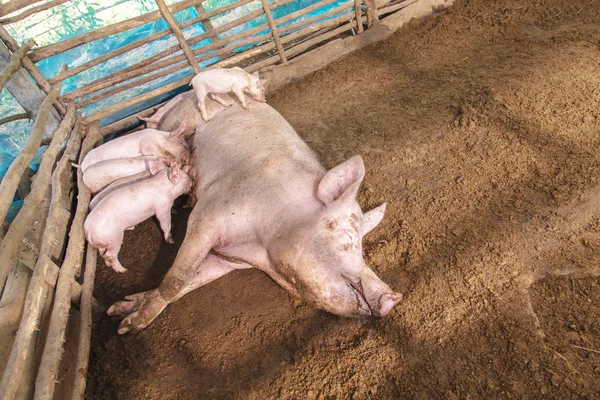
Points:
x=479, y=125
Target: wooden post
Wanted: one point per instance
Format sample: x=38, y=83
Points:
x=11, y=179
x=38, y=290
x=372, y=16
x=164, y=10
x=85, y=309
x=15, y=62
x=358, y=14
x=280, y=49
x=53, y=349
x=30, y=67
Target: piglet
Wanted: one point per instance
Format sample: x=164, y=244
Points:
x=147, y=142
x=103, y=173
x=128, y=206
x=225, y=80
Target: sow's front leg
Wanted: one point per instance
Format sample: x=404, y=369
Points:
x=191, y=269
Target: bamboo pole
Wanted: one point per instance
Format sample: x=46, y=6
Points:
x=31, y=11
x=117, y=89
x=85, y=309
x=358, y=15
x=267, y=9
x=164, y=10
x=15, y=62
x=36, y=295
x=11, y=242
x=11, y=179
x=85, y=326
x=14, y=117
x=15, y=5
x=53, y=350
x=141, y=42
x=137, y=99
x=53, y=49
x=30, y=67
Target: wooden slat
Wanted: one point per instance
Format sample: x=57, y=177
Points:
x=53, y=349
x=30, y=67
x=164, y=10
x=15, y=5
x=141, y=42
x=38, y=289
x=11, y=179
x=14, y=117
x=52, y=49
x=273, y=26
x=31, y=11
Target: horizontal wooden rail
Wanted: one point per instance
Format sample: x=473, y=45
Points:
x=15, y=5
x=53, y=49
x=31, y=11
x=141, y=42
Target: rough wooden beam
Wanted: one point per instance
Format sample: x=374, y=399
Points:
x=15, y=62
x=11, y=179
x=164, y=10
x=27, y=93
x=358, y=15
x=31, y=11
x=11, y=242
x=53, y=349
x=30, y=67
x=37, y=293
x=52, y=49
x=15, y=117
x=273, y=26
x=15, y=5
x=141, y=42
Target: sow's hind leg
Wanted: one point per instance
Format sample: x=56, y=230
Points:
x=191, y=269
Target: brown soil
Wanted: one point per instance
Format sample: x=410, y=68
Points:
x=480, y=127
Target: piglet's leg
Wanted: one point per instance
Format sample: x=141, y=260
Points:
x=189, y=264
x=201, y=95
x=239, y=92
x=111, y=254
x=164, y=218
x=220, y=100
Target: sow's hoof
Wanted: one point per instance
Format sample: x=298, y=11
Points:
x=140, y=310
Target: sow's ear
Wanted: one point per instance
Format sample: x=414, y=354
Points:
x=343, y=180
x=373, y=218
x=180, y=131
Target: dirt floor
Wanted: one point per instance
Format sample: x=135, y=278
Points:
x=480, y=127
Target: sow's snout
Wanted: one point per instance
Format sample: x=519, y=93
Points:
x=373, y=296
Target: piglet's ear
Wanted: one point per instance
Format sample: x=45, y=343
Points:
x=173, y=174
x=373, y=218
x=342, y=181
x=180, y=131
x=155, y=165
x=255, y=73
x=261, y=82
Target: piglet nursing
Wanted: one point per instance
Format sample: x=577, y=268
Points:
x=147, y=142
x=129, y=205
x=103, y=173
